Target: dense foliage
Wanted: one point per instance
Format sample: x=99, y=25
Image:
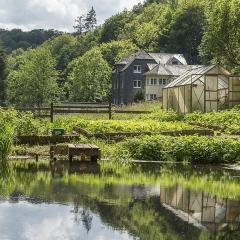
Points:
x=34, y=82
x=221, y=41
x=204, y=31
x=90, y=77
x=192, y=148
x=16, y=38
x=111, y=126
x=227, y=121
x=3, y=73
x=21, y=123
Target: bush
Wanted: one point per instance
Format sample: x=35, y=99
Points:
x=227, y=121
x=24, y=123
x=107, y=126
x=185, y=148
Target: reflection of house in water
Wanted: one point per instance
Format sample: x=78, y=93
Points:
x=200, y=208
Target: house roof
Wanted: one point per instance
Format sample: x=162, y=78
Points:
x=169, y=70
x=159, y=58
x=151, y=66
x=129, y=59
x=194, y=74
x=164, y=58
x=137, y=55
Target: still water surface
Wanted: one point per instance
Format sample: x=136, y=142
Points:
x=109, y=201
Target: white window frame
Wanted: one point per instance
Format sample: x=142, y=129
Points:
x=138, y=85
x=153, y=97
x=162, y=81
x=137, y=69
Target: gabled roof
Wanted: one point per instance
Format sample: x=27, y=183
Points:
x=151, y=66
x=169, y=70
x=191, y=76
x=159, y=58
x=129, y=59
x=165, y=58
x=137, y=55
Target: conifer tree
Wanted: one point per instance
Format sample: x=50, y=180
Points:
x=90, y=20
x=79, y=27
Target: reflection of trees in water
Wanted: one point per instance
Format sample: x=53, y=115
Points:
x=82, y=216
x=86, y=218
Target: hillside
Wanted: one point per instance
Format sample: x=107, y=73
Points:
x=16, y=38
x=80, y=64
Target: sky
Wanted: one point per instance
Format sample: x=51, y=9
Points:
x=56, y=14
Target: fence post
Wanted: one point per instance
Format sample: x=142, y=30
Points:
x=51, y=112
x=110, y=109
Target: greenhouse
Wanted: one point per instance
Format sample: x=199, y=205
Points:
x=204, y=89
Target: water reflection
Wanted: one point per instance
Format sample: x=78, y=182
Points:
x=131, y=202
x=200, y=208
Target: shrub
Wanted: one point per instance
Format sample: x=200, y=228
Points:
x=185, y=148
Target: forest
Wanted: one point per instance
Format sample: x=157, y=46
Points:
x=40, y=67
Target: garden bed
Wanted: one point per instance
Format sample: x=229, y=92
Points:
x=119, y=136
x=47, y=139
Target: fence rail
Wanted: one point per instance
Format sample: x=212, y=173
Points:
x=77, y=108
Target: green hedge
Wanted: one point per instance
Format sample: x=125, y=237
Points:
x=185, y=148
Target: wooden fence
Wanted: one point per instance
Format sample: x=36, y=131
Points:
x=78, y=108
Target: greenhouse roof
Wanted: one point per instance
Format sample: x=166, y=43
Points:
x=190, y=76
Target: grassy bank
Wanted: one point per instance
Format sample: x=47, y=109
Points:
x=193, y=149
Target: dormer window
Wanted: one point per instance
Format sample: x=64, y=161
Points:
x=137, y=69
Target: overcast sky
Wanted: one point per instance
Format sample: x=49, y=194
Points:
x=55, y=14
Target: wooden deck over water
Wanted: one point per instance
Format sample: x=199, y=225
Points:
x=80, y=150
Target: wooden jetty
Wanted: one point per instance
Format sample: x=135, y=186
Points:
x=72, y=150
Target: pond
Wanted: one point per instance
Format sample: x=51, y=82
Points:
x=118, y=201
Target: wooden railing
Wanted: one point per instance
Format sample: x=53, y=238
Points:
x=78, y=108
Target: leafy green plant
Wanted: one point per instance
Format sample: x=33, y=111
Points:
x=194, y=149
x=226, y=121
x=107, y=126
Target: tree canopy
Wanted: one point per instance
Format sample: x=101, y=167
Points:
x=89, y=78
x=205, y=31
x=34, y=82
x=221, y=41
x=16, y=38
x=3, y=67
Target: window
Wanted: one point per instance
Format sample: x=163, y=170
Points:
x=162, y=81
x=156, y=82
x=150, y=97
x=137, y=69
x=175, y=62
x=153, y=96
x=137, y=84
x=122, y=83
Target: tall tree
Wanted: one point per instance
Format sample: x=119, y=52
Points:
x=34, y=82
x=115, y=50
x=222, y=38
x=186, y=31
x=3, y=66
x=90, y=22
x=79, y=27
x=90, y=77
x=113, y=26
